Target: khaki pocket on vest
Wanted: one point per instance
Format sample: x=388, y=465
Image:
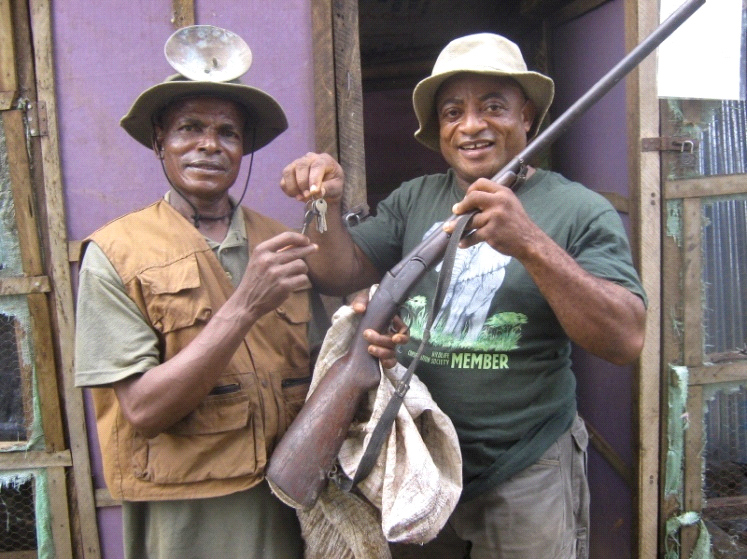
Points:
x=295, y=309
x=215, y=441
x=294, y=385
x=294, y=393
x=174, y=296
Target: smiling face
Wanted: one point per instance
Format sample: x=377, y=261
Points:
x=202, y=141
x=483, y=123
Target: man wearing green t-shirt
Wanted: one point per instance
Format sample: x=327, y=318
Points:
x=548, y=264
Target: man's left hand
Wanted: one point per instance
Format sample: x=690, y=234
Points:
x=382, y=346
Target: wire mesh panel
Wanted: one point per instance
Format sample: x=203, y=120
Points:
x=17, y=406
x=725, y=276
x=725, y=340
x=24, y=504
x=15, y=385
x=17, y=514
x=725, y=483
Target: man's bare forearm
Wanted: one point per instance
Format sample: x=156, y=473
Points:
x=601, y=316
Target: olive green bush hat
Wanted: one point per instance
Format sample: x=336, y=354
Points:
x=188, y=51
x=485, y=54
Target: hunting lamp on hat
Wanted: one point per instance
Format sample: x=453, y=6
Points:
x=209, y=61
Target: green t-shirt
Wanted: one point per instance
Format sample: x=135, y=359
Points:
x=498, y=362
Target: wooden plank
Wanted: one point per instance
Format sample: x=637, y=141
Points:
x=73, y=250
x=610, y=455
x=719, y=508
x=621, y=203
x=325, y=98
x=182, y=13
x=671, y=316
x=23, y=285
x=693, y=476
x=34, y=459
x=692, y=282
x=46, y=372
x=59, y=512
x=704, y=187
x=55, y=233
x=349, y=102
x=8, y=77
x=724, y=372
x=693, y=356
x=641, y=18
x=41, y=330
x=18, y=555
x=23, y=195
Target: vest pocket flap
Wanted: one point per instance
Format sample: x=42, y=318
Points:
x=172, y=278
x=295, y=309
x=226, y=408
x=174, y=296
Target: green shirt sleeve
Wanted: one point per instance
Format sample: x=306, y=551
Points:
x=113, y=340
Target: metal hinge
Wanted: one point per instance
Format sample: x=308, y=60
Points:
x=36, y=115
x=681, y=144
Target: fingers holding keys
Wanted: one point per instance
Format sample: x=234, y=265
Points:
x=313, y=175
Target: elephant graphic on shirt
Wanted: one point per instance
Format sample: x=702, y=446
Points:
x=477, y=274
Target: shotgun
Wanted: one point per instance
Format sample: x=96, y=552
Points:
x=300, y=465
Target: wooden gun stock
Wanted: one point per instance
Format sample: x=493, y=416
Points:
x=300, y=464
x=305, y=455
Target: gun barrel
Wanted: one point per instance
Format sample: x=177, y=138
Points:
x=306, y=453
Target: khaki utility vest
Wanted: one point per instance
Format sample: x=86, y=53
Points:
x=177, y=282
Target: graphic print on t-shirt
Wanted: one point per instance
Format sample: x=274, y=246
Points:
x=463, y=321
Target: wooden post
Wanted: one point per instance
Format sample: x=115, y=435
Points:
x=641, y=18
x=325, y=97
x=54, y=230
x=182, y=13
x=349, y=88
x=8, y=77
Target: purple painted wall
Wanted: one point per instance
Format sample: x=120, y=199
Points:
x=105, y=56
x=594, y=152
x=106, y=53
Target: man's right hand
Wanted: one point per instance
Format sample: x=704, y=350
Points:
x=316, y=174
x=276, y=269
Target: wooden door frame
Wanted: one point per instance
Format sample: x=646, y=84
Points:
x=641, y=18
x=338, y=93
x=74, y=529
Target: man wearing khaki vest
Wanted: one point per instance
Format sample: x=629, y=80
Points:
x=193, y=321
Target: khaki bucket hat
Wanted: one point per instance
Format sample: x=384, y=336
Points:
x=216, y=57
x=481, y=53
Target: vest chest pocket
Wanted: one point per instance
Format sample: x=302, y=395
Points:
x=174, y=295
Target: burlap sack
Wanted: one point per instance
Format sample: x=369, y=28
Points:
x=417, y=480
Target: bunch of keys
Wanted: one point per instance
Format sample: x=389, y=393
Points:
x=317, y=207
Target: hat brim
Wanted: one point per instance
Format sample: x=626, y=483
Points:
x=265, y=118
x=537, y=87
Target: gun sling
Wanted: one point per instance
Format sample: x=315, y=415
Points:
x=384, y=425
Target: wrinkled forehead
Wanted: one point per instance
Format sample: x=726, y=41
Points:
x=480, y=84
x=194, y=105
